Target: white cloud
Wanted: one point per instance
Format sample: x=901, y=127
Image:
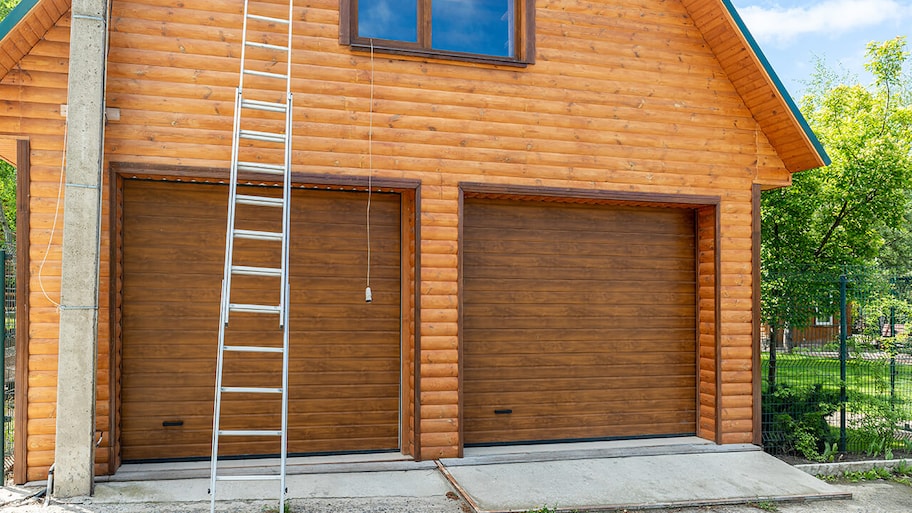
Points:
x=829, y=18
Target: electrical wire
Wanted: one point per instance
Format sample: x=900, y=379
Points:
x=370, y=170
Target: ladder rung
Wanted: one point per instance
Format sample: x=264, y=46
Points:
x=257, y=167
x=280, y=76
x=250, y=432
x=257, y=235
x=261, y=105
x=267, y=46
x=246, y=270
x=266, y=309
x=249, y=478
x=254, y=349
x=259, y=201
x=252, y=390
x=261, y=136
x=267, y=19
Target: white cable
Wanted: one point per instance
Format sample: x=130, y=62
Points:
x=370, y=171
x=56, y=215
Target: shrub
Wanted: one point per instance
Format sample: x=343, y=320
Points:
x=795, y=420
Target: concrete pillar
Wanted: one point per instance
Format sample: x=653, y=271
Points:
x=76, y=382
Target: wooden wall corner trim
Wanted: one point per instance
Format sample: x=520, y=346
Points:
x=717, y=284
x=23, y=224
x=755, y=315
x=460, y=372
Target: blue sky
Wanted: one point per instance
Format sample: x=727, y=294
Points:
x=793, y=33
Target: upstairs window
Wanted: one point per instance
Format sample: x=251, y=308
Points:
x=496, y=31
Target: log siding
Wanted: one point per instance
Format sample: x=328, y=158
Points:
x=624, y=97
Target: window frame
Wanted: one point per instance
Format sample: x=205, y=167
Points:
x=524, y=36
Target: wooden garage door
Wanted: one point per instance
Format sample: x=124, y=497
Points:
x=579, y=321
x=345, y=354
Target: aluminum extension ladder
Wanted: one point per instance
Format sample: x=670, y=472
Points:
x=261, y=144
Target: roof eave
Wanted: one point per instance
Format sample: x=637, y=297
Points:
x=15, y=16
x=795, y=112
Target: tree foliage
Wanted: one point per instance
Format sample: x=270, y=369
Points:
x=6, y=6
x=7, y=172
x=8, y=203
x=840, y=216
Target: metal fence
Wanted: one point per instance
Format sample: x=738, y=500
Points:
x=8, y=355
x=841, y=381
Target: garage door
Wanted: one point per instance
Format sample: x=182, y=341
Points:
x=345, y=353
x=579, y=321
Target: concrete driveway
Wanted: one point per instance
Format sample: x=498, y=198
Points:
x=681, y=473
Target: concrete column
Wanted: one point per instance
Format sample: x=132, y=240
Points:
x=76, y=376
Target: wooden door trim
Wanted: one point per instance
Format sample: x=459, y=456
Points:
x=23, y=225
x=408, y=191
x=755, y=317
x=601, y=197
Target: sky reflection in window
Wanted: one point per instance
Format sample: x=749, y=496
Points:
x=483, y=27
x=396, y=20
x=472, y=26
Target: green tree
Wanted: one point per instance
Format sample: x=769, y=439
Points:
x=8, y=203
x=7, y=172
x=6, y=6
x=836, y=217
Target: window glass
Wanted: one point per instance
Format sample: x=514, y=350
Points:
x=473, y=26
x=396, y=20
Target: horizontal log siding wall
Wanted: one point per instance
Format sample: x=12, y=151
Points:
x=624, y=95
x=33, y=92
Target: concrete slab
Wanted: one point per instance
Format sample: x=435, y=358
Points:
x=601, y=476
x=417, y=483
x=636, y=482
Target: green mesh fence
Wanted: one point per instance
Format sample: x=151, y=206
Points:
x=8, y=355
x=807, y=408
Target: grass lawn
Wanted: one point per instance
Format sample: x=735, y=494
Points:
x=866, y=380
x=873, y=402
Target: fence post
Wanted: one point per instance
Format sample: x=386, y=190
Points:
x=843, y=356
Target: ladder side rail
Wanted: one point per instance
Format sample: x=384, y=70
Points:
x=226, y=295
x=285, y=286
x=244, y=45
x=288, y=54
x=286, y=244
x=232, y=210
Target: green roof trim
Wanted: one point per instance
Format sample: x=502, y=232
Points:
x=778, y=83
x=15, y=16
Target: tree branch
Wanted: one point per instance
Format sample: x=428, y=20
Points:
x=843, y=212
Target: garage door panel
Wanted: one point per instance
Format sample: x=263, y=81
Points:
x=484, y=387
x=681, y=289
x=629, y=322
x=582, y=218
x=570, y=299
x=542, y=401
x=481, y=371
x=622, y=339
x=345, y=361
x=514, y=344
x=579, y=319
x=562, y=427
x=608, y=248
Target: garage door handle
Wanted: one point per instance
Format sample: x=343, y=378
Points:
x=172, y=423
x=502, y=412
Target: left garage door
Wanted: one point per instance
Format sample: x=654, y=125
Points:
x=345, y=354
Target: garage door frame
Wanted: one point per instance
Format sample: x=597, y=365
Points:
x=708, y=282
x=408, y=191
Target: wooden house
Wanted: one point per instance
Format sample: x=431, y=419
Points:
x=564, y=223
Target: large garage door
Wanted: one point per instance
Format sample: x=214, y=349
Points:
x=345, y=353
x=579, y=321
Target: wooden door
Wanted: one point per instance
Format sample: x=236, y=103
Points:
x=579, y=321
x=345, y=354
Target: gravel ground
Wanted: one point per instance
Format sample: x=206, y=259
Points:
x=868, y=497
